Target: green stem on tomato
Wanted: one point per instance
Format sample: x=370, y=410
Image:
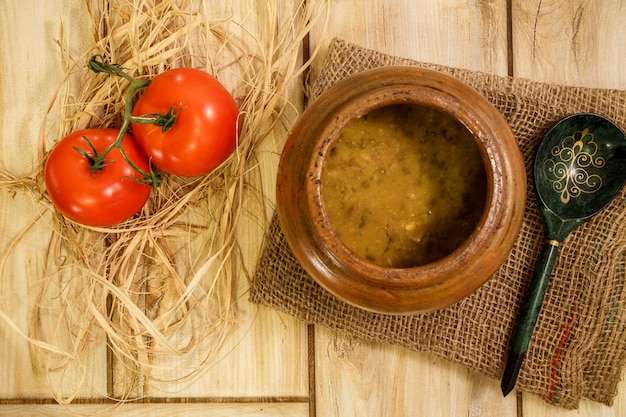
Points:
x=97, y=64
x=97, y=161
x=165, y=121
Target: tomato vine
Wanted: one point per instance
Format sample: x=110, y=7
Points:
x=97, y=161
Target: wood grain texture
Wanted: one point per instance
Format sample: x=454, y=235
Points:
x=161, y=410
x=357, y=378
x=574, y=43
x=467, y=34
x=31, y=67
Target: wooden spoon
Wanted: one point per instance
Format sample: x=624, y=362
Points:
x=579, y=168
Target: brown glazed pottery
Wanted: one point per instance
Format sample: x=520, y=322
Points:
x=394, y=290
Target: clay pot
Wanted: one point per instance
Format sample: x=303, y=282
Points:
x=395, y=290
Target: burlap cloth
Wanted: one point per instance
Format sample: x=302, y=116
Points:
x=579, y=346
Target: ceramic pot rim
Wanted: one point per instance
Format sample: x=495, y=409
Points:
x=423, y=275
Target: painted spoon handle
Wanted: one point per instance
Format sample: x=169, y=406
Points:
x=528, y=315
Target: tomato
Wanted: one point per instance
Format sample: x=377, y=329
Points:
x=205, y=131
x=100, y=198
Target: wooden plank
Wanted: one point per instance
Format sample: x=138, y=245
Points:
x=31, y=66
x=465, y=34
x=361, y=378
x=265, y=357
x=358, y=378
x=266, y=354
x=571, y=43
x=161, y=410
x=577, y=43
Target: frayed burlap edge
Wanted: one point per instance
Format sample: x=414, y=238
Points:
x=579, y=346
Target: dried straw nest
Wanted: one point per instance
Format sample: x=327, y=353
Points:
x=165, y=283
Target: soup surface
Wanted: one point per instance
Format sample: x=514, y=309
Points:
x=403, y=185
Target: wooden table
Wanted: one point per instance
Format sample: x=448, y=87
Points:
x=276, y=365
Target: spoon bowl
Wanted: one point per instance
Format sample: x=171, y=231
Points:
x=579, y=168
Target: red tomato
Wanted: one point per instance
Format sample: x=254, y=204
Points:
x=206, y=128
x=100, y=198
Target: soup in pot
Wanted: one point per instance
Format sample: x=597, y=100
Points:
x=403, y=185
